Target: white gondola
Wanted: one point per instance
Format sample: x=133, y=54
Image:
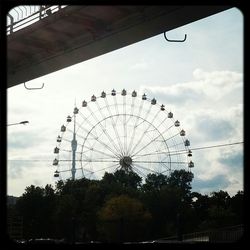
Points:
x=84, y=104
x=162, y=107
x=182, y=133
x=55, y=162
x=68, y=119
x=170, y=115
x=63, y=128
x=124, y=92
x=189, y=153
x=177, y=123
x=187, y=143
x=56, y=150
x=134, y=94
x=76, y=110
x=103, y=95
x=113, y=92
x=56, y=174
x=144, y=97
x=190, y=164
x=59, y=138
x=93, y=98
x=153, y=101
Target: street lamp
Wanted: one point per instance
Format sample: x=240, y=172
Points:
x=23, y=122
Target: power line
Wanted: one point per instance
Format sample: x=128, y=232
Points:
x=221, y=145
x=199, y=148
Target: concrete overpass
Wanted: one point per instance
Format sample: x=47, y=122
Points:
x=78, y=33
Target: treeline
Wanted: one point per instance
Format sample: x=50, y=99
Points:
x=119, y=207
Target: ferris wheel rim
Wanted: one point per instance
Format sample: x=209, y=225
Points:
x=120, y=158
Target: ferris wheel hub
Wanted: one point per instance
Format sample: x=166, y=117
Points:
x=126, y=162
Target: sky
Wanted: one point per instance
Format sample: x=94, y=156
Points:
x=199, y=80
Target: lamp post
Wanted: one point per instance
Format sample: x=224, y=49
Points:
x=23, y=122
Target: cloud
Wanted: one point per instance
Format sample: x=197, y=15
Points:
x=214, y=129
x=206, y=88
x=15, y=170
x=22, y=174
x=178, y=94
x=26, y=139
x=232, y=159
x=218, y=182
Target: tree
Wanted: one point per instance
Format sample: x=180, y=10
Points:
x=128, y=179
x=182, y=179
x=236, y=204
x=154, y=182
x=220, y=199
x=123, y=218
x=36, y=206
x=64, y=216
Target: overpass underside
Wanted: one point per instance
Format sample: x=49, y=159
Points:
x=78, y=33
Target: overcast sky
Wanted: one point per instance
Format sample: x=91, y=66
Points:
x=200, y=80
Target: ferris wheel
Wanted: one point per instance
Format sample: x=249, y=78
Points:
x=120, y=130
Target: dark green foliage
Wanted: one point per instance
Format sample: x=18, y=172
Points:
x=120, y=208
x=123, y=218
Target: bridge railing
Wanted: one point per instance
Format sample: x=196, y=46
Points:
x=227, y=234
x=25, y=15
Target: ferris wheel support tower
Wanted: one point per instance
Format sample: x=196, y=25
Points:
x=74, y=146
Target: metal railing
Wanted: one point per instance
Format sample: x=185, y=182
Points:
x=227, y=234
x=25, y=15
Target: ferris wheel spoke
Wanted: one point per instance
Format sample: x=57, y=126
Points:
x=87, y=170
x=160, y=134
x=124, y=125
x=136, y=169
x=85, y=130
x=170, y=153
x=107, y=147
x=112, y=166
x=172, y=137
x=86, y=119
x=116, y=110
x=177, y=152
x=150, y=154
x=65, y=150
x=63, y=139
x=166, y=166
x=132, y=110
x=102, y=127
x=145, y=131
x=95, y=138
x=101, y=142
x=159, y=162
x=156, y=137
x=114, y=127
x=145, y=118
x=135, y=125
x=67, y=170
x=143, y=167
x=100, y=152
x=99, y=160
x=112, y=143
